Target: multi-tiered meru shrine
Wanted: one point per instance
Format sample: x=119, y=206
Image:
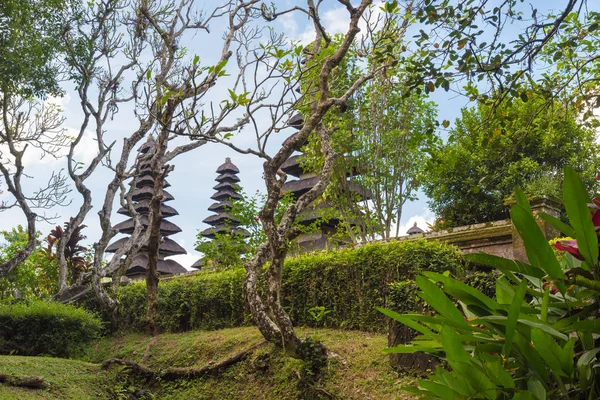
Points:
x=141, y=196
x=222, y=222
x=320, y=210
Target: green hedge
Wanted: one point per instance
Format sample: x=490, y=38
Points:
x=348, y=283
x=203, y=301
x=40, y=328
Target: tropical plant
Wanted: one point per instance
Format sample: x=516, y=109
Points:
x=75, y=254
x=537, y=339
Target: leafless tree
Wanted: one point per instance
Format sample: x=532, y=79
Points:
x=142, y=43
x=314, y=71
x=28, y=124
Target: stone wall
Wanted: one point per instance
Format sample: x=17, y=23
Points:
x=499, y=238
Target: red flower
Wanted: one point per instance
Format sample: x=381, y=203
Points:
x=256, y=219
x=570, y=246
x=553, y=288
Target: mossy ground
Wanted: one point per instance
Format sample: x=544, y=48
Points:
x=357, y=368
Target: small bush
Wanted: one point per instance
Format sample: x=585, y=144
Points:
x=40, y=328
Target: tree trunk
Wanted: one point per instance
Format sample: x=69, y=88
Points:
x=158, y=173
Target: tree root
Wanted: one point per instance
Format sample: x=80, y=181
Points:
x=30, y=382
x=147, y=351
x=182, y=373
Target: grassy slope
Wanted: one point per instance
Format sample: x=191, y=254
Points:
x=70, y=379
x=358, y=369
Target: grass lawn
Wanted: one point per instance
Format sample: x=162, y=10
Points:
x=357, y=368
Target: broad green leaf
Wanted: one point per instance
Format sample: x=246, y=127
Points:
x=534, y=360
x=588, y=357
x=522, y=395
x=505, y=264
x=513, y=316
x=462, y=292
x=437, y=299
x=567, y=357
x=536, y=388
x=538, y=250
x=452, y=380
x=500, y=319
x=442, y=391
x=404, y=320
x=548, y=350
x=505, y=293
x=438, y=321
x=576, y=200
x=522, y=199
x=410, y=349
x=545, y=301
x=494, y=369
x=558, y=224
x=453, y=347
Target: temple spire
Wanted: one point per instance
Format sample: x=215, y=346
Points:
x=221, y=221
x=141, y=196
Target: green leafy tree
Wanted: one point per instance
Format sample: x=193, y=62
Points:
x=389, y=138
x=491, y=150
x=36, y=277
x=30, y=49
x=538, y=338
x=226, y=251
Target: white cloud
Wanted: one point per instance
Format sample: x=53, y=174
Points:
x=61, y=102
x=421, y=220
x=336, y=20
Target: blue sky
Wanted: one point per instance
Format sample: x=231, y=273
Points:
x=194, y=174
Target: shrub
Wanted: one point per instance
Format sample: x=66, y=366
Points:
x=538, y=338
x=347, y=285
x=40, y=328
x=203, y=301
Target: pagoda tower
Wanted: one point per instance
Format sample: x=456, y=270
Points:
x=221, y=222
x=141, y=196
x=305, y=182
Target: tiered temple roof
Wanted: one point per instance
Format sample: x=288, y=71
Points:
x=226, y=190
x=141, y=196
x=305, y=182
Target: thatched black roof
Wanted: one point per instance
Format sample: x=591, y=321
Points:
x=220, y=219
x=301, y=186
x=227, y=166
x=223, y=229
x=225, y=185
x=148, y=181
x=148, y=144
x=225, y=195
x=198, y=264
x=297, y=121
x=168, y=247
x=414, y=230
x=291, y=166
x=165, y=267
x=220, y=206
x=146, y=193
x=227, y=178
x=143, y=207
x=166, y=227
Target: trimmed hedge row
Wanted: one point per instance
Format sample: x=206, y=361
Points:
x=202, y=301
x=41, y=328
x=348, y=284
